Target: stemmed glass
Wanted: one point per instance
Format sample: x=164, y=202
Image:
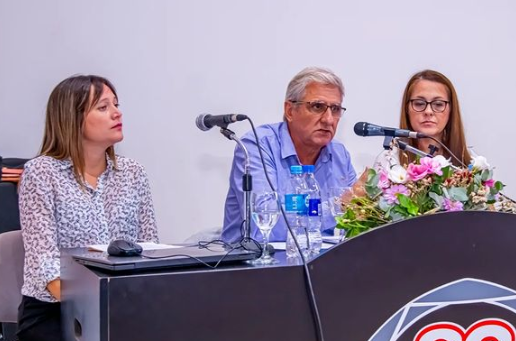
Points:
x=266, y=211
x=335, y=196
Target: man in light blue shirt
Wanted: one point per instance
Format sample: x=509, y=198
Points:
x=312, y=110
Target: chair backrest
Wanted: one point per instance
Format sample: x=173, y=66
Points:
x=9, y=213
x=12, y=256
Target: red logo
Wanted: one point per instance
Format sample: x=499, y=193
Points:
x=483, y=330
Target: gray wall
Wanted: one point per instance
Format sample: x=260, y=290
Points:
x=172, y=60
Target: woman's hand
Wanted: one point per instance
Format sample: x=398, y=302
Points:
x=55, y=288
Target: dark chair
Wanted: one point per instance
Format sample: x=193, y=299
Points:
x=9, y=213
x=12, y=256
x=11, y=252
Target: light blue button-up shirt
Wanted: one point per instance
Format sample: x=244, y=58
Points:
x=333, y=168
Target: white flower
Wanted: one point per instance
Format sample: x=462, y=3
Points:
x=443, y=162
x=480, y=162
x=397, y=174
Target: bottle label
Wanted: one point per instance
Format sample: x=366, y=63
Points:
x=295, y=203
x=314, y=207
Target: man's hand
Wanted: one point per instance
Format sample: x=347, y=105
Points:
x=359, y=185
x=357, y=190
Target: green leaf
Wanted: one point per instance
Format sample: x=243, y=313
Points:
x=458, y=194
x=499, y=185
x=487, y=174
x=400, y=210
x=408, y=204
x=396, y=216
x=491, y=199
x=372, y=191
x=372, y=177
x=477, y=179
x=472, y=188
x=435, y=188
x=437, y=198
x=384, y=205
x=447, y=172
x=349, y=214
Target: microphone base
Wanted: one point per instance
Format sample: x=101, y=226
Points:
x=253, y=245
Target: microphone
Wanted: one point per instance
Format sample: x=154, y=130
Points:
x=206, y=121
x=368, y=129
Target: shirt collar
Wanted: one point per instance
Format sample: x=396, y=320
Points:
x=288, y=149
x=64, y=163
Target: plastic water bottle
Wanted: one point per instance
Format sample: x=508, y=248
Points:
x=295, y=209
x=314, y=210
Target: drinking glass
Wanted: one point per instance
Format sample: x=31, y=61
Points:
x=266, y=211
x=335, y=201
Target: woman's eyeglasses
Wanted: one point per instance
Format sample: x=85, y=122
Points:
x=420, y=105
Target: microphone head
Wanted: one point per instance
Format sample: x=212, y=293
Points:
x=199, y=122
x=369, y=129
x=360, y=128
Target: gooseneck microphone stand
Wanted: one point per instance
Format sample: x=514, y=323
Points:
x=408, y=148
x=247, y=186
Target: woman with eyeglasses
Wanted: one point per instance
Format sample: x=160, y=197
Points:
x=430, y=106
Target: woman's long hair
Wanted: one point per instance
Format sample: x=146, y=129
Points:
x=453, y=134
x=66, y=109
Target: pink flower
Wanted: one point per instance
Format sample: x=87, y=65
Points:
x=417, y=172
x=489, y=183
x=434, y=166
x=450, y=205
x=384, y=180
x=390, y=193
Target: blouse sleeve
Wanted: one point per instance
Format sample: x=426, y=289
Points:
x=39, y=228
x=148, y=230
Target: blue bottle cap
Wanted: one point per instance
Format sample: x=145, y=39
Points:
x=308, y=168
x=296, y=170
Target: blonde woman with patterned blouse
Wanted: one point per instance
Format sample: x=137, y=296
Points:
x=76, y=193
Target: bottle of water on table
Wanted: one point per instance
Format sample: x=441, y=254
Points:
x=314, y=210
x=295, y=210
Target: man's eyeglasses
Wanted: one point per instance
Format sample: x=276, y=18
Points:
x=420, y=105
x=320, y=108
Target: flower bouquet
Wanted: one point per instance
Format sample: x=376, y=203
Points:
x=425, y=186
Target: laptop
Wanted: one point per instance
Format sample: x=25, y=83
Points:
x=189, y=256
